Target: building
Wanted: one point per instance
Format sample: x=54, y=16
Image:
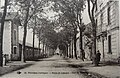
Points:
x=10, y=35
x=108, y=32
x=87, y=41
x=13, y=36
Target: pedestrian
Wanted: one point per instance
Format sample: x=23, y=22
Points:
x=97, y=58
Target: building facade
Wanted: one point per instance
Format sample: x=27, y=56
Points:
x=13, y=39
x=108, y=32
x=10, y=36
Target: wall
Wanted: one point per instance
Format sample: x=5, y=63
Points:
x=7, y=38
x=29, y=38
x=111, y=29
x=15, y=40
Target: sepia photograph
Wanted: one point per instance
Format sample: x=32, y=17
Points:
x=59, y=39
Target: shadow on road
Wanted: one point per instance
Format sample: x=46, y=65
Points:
x=84, y=71
x=13, y=68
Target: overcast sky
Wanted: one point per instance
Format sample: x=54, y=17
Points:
x=86, y=16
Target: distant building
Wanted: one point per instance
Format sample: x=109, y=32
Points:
x=108, y=32
x=87, y=41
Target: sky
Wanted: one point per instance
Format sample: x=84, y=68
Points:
x=2, y=2
x=85, y=16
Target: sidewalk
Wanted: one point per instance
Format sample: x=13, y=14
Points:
x=107, y=71
x=13, y=66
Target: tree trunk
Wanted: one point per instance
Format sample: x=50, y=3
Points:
x=34, y=37
x=43, y=47
x=24, y=36
x=94, y=43
x=75, y=45
x=103, y=48
x=70, y=52
x=94, y=39
x=82, y=53
x=91, y=53
x=23, y=46
x=39, y=44
x=33, y=41
x=91, y=16
x=66, y=50
x=1, y=33
x=72, y=49
x=81, y=46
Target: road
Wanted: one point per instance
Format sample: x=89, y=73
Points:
x=54, y=67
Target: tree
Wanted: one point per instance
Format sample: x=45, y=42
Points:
x=91, y=10
x=25, y=32
x=35, y=24
x=71, y=10
x=47, y=34
x=65, y=36
x=27, y=9
x=2, y=30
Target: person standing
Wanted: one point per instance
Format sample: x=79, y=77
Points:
x=98, y=57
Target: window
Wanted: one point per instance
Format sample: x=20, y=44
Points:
x=108, y=16
x=109, y=45
x=15, y=50
x=96, y=22
x=101, y=18
x=15, y=36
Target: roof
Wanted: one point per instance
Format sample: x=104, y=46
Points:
x=12, y=16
